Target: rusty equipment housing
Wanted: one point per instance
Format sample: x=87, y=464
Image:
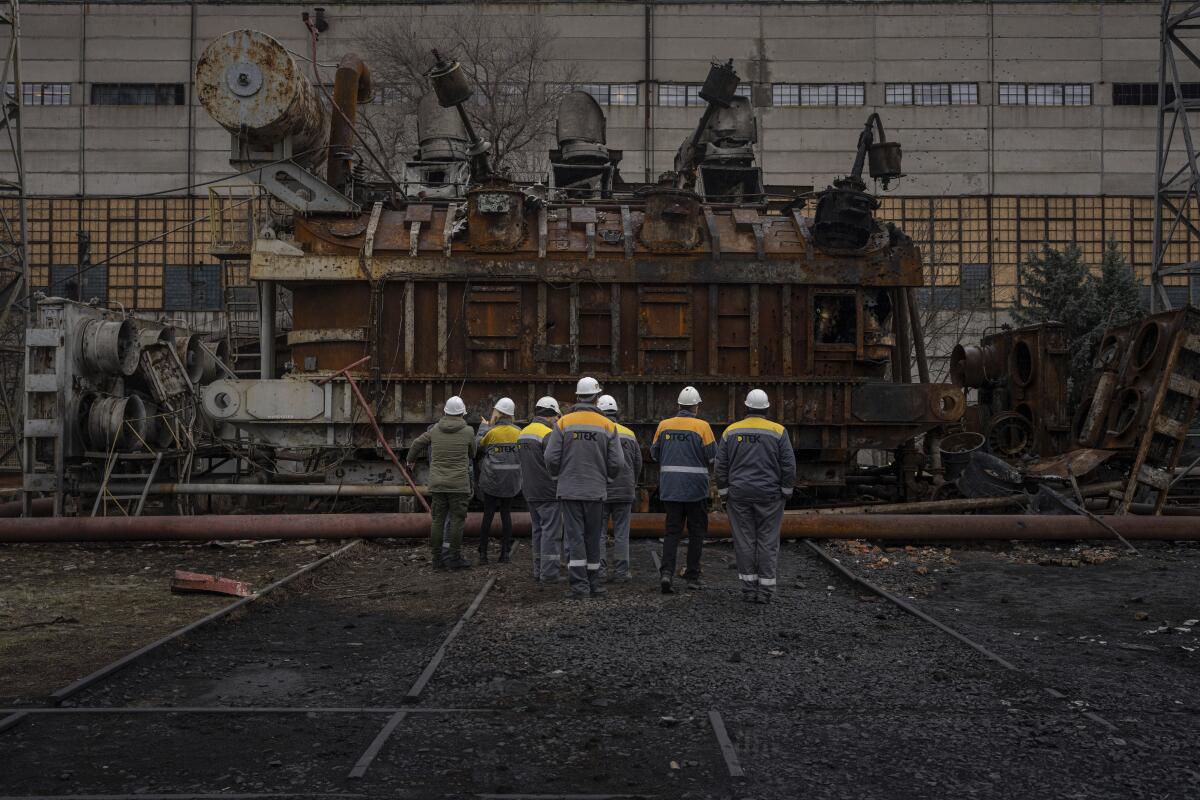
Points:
x=1021, y=376
x=109, y=396
x=464, y=282
x=512, y=290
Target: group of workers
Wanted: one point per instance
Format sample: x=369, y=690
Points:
x=578, y=472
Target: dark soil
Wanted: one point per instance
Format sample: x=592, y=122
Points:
x=827, y=693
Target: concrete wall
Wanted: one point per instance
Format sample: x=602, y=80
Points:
x=962, y=150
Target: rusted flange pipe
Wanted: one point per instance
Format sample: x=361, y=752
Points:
x=351, y=86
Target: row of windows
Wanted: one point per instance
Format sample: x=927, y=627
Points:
x=1045, y=94
x=103, y=94
x=688, y=94
x=1146, y=94
x=854, y=94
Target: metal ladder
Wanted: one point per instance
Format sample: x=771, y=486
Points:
x=1174, y=408
x=43, y=418
x=242, y=329
x=104, y=497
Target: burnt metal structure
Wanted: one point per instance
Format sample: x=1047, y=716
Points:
x=517, y=290
x=1021, y=376
x=15, y=279
x=1176, y=168
x=463, y=282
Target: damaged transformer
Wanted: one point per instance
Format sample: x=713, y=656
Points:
x=456, y=280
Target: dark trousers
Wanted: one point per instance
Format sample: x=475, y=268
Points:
x=449, y=512
x=695, y=514
x=490, y=504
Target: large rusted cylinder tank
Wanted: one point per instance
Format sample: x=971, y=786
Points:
x=250, y=84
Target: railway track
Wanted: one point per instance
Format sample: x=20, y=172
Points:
x=375, y=677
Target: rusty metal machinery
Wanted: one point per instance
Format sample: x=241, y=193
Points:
x=513, y=289
x=103, y=388
x=1021, y=376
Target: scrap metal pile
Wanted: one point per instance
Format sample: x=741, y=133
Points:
x=1127, y=439
x=453, y=279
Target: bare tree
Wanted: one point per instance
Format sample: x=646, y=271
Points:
x=512, y=61
x=951, y=312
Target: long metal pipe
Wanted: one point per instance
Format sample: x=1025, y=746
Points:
x=263, y=489
x=945, y=527
x=267, y=294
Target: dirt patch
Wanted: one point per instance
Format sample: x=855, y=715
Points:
x=67, y=609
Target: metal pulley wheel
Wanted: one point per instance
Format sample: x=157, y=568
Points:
x=1010, y=435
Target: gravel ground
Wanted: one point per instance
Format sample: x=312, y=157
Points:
x=827, y=693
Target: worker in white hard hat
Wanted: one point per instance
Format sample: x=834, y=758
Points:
x=622, y=492
x=541, y=491
x=756, y=470
x=499, y=474
x=584, y=454
x=684, y=446
x=451, y=446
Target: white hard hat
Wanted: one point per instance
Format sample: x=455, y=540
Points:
x=689, y=396
x=757, y=399
x=548, y=402
x=455, y=406
x=607, y=403
x=505, y=405
x=587, y=387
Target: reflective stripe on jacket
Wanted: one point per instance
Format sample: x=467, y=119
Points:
x=755, y=460
x=499, y=466
x=537, y=484
x=623, y=488
x=584, y=453
x=684, y=446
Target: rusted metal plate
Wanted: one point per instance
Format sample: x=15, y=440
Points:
x=581, y=215
x=184, y=581
x=1079, y=463
x=419, y=212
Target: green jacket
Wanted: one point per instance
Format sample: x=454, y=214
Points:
x=451, y=446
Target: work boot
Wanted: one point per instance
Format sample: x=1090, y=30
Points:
x=665, y=584
x=597, y=587
x=456, y=561
x=571, y=594
x=505, y=558
x=483, y=557
x=439, y=564
x=765, y=598
x=749, y=597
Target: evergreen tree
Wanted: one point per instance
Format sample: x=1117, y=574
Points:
x=1060, y=287
x=1118, y=292
x=1057, y=286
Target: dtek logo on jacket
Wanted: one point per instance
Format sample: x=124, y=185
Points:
x=755, y=461
x=684, y=446
x=589, y=436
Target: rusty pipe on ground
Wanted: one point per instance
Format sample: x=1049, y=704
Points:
x=941, y=528
x=263, y=489
x=351, y=86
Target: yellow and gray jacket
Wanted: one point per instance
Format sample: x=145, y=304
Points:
x=499, y=466
x=755, y=461
x=684, y=446
x=623, y=488
x=584, y=453
x=537, y=484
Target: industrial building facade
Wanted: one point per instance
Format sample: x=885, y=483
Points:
x=1021, y=123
